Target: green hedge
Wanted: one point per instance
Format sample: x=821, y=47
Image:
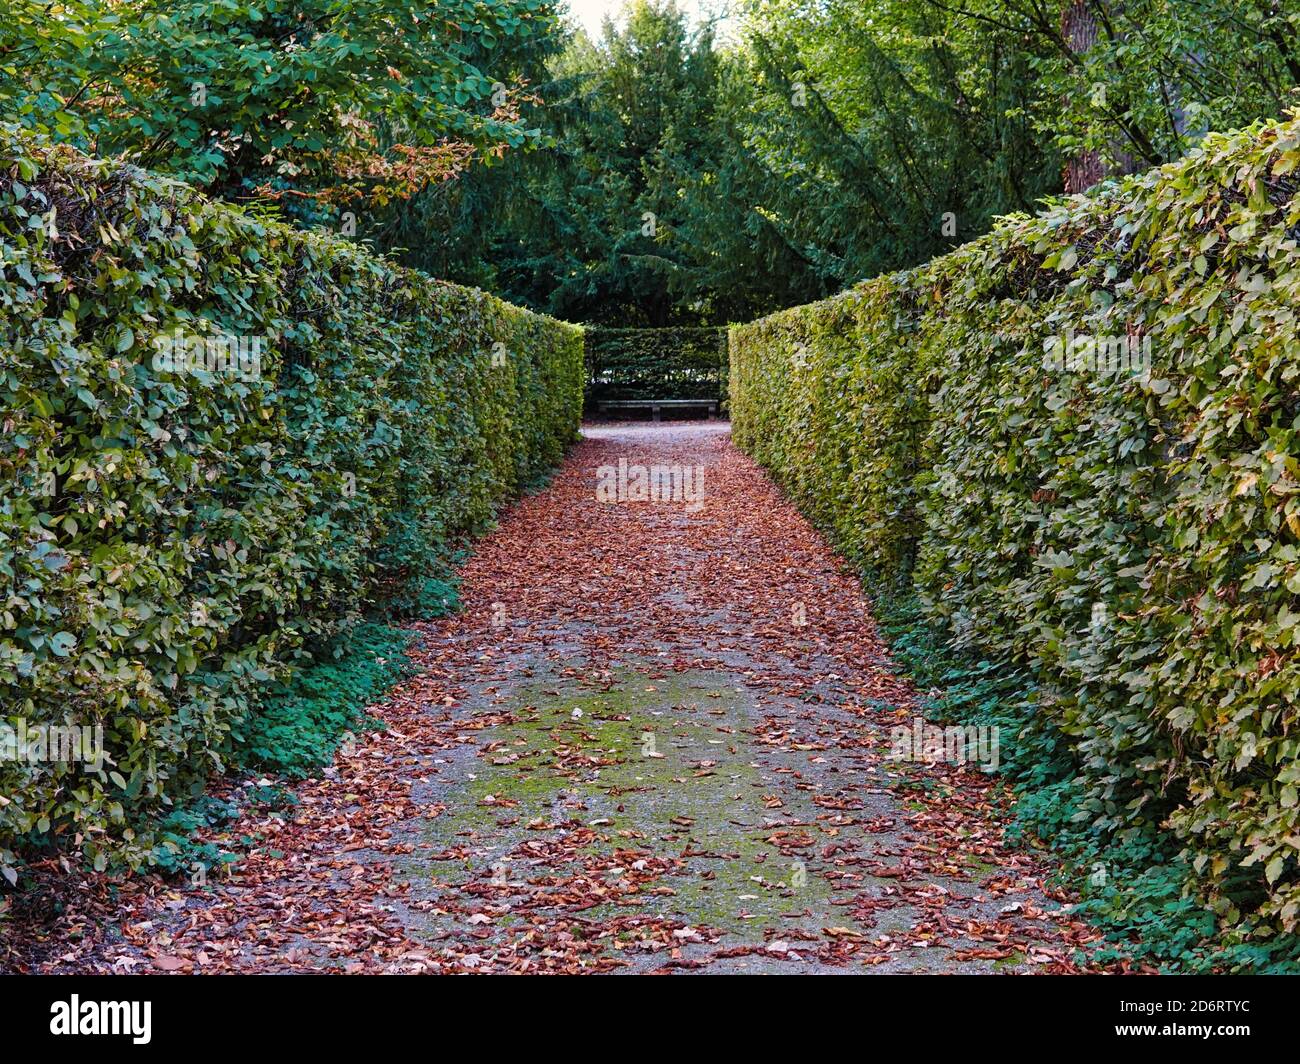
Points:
x=672, y=363
x=1132, y=538
x=173, y=541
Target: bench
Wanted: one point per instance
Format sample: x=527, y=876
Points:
x=657, y=405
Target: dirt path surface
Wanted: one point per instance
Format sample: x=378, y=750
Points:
x=656, y=739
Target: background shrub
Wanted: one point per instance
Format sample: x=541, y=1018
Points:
x=672, y=363
x=1130, y=539
x=172, y=543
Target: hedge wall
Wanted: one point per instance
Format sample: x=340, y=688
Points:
x=673, y=363
x=1131, y=537
x=172, y=539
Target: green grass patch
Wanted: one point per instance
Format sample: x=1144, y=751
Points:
x=301, y=723
x=295, y=733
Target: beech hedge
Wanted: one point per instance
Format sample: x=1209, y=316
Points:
x=223, y=441
x=1077, y=440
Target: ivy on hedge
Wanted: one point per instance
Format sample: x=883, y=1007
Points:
x=173, y=540
x=1131, y=538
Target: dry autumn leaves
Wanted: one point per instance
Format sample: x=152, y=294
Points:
x=628, y=752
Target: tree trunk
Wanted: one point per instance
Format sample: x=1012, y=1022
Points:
x=1079, y=31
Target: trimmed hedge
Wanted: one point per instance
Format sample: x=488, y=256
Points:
x=1132, y=538
x=173, y=540
x=673, y=363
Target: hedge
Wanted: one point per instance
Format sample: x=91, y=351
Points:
x=673, y=363
x=224, y=441
x=1129, y=534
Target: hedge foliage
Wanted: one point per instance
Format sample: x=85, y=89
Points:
x=673, y=363
x=1130, y=537
x=173, y=540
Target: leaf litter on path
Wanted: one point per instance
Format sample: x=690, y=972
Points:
x=656, y=739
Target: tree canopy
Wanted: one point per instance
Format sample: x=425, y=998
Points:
x=660, y=174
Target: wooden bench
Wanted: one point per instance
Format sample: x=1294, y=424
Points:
x=657, y=405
